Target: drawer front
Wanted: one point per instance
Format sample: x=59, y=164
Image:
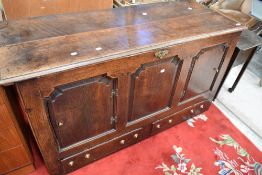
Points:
x=174, y=119
x=102, y=150
x=200, y=108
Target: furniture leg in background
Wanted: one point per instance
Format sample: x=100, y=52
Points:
x=230, y=65
x=243, y=70
x=246, y=46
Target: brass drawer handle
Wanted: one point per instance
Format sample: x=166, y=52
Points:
x=71, y=163
x=60, y=124
x=74, y=53
x=170, y=121
x=192, y=111
x=158, y=126
x=202, y=106
x=122, y=142
x=136, y=136
x=87, y=156
x=161, y=53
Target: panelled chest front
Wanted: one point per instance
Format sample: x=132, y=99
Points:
x=118, y=80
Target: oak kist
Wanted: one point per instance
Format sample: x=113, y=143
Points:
x=92, y=86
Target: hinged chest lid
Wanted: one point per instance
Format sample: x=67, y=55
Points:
x=42, y=45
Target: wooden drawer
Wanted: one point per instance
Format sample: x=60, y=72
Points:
x=101, y=150
x=174, y=119
x=200, y=108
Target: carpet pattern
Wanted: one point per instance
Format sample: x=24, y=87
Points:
x=207, y=144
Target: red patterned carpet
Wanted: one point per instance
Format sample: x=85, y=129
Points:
x=208, y=144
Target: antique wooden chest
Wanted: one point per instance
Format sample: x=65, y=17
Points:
x=94, y=83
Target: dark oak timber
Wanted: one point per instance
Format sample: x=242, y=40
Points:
x=43, y=45
x=94, y=83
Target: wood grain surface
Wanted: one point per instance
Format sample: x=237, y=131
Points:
x=17, y=9
x=43, y=45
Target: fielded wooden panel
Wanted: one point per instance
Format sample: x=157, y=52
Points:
x=202, y=65
x=153, y=87
x=17, y=9
x=82, y=110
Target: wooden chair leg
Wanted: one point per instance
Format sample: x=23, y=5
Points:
x=242, y=70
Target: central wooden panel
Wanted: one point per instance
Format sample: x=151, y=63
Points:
x=152, y=87
x=82, y=110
